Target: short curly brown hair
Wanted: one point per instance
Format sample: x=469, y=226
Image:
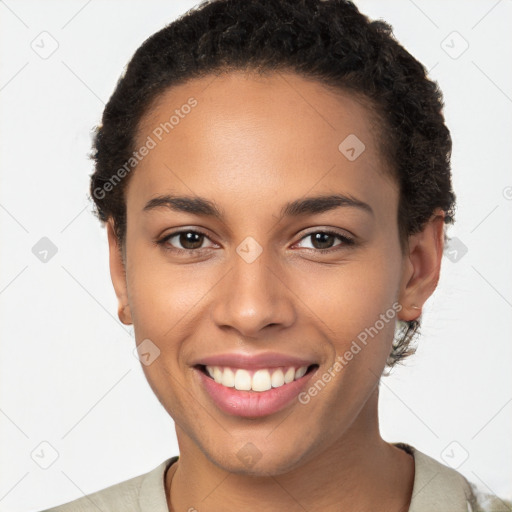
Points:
x=329, y=41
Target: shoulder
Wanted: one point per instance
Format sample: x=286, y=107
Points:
x=139, y=494
x=439, y=487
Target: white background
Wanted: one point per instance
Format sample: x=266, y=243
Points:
x=67, y=372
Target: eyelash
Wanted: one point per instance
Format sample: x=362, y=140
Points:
x=347, y=241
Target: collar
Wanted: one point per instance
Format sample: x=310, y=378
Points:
x=436, y=486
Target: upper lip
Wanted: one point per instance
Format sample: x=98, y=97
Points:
x=255, y=361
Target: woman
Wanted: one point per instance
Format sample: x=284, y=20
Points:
x=275, y=182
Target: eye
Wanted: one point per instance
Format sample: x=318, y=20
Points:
x=322, y=241
x=190, y=240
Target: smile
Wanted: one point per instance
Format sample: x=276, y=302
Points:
x=253, y=386
x=255, y=380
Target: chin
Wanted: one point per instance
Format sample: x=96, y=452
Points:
x=249, y=460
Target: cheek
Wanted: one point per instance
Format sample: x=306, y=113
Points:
x=162, y=294
x=163, y=300
x=355, y=296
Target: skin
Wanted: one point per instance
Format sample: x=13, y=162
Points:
x=252, y=144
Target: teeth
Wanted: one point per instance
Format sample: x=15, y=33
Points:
x=277, y=378
x=289, y=375
x=301, y=372
x=228, y=378
x=260, y=380
x=217, y=374
x=242, y=380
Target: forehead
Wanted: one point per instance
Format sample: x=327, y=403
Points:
x=244, y=135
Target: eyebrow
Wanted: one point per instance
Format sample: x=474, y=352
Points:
x=309, y=205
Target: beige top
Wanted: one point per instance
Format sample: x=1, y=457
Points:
x=436, y=488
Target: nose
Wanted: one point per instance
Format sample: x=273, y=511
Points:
x=254, y=297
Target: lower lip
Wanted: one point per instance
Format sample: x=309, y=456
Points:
x=252, y=404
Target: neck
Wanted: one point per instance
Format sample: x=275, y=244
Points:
x=359, y=472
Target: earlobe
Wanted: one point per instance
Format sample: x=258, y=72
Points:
x=118, y=275
x=124, y=314
x=422, y=268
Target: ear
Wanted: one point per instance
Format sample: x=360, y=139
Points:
x=422, y=267
x=118, y=275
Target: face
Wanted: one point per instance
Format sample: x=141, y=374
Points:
x=257, y=249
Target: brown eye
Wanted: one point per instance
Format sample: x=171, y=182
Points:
x=190, y=239
x=326, y=240
x=184, y=241
x=322, y=240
